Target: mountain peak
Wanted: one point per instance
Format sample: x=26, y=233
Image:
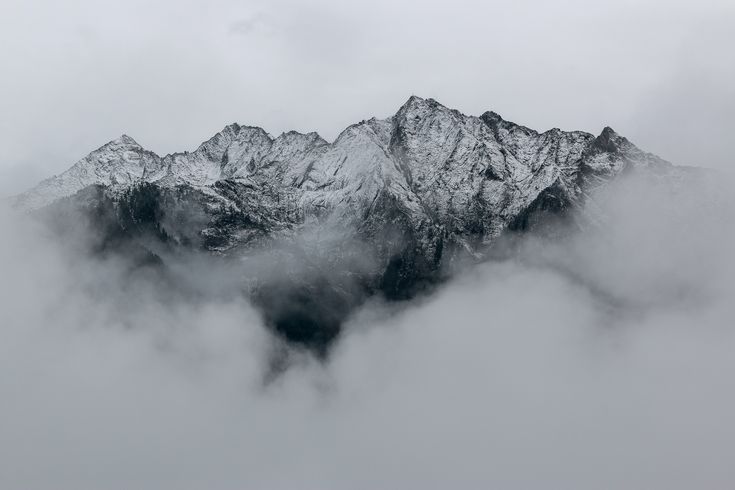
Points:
x=609, y=141
x=491, y=117
x=608, y=132
x=413, y=99
x=123, y=140
x=231, y=128
x=412, y=104
x=296, y=135
x=416, y=107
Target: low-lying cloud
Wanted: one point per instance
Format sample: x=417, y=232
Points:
x=599, y=360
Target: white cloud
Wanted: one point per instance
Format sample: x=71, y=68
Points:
x=602, y=361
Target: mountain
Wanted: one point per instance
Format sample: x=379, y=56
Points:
x=387, y=208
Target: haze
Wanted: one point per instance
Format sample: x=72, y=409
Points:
x=601, y=361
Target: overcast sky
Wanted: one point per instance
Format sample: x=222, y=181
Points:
x=171, y=73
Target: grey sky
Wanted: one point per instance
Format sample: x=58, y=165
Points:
x=77, y=74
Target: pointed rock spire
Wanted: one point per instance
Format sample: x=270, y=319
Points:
x=609, y=141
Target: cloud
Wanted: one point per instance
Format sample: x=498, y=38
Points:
x=595, y=361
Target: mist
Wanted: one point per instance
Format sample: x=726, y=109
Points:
x=599, y=359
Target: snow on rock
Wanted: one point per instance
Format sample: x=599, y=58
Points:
x=467, y=175
x=118, y=164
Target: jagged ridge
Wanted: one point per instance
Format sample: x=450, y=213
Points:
x=422, y=187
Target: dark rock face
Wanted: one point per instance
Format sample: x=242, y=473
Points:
x=545, y=213
x=306, y=313
x=386, y=209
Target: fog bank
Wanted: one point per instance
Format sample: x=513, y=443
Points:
x=602, y=360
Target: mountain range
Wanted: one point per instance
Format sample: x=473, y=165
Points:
x=387, y=209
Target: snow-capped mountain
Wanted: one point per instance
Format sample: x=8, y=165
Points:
x=415, y=190
x=472, y=176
